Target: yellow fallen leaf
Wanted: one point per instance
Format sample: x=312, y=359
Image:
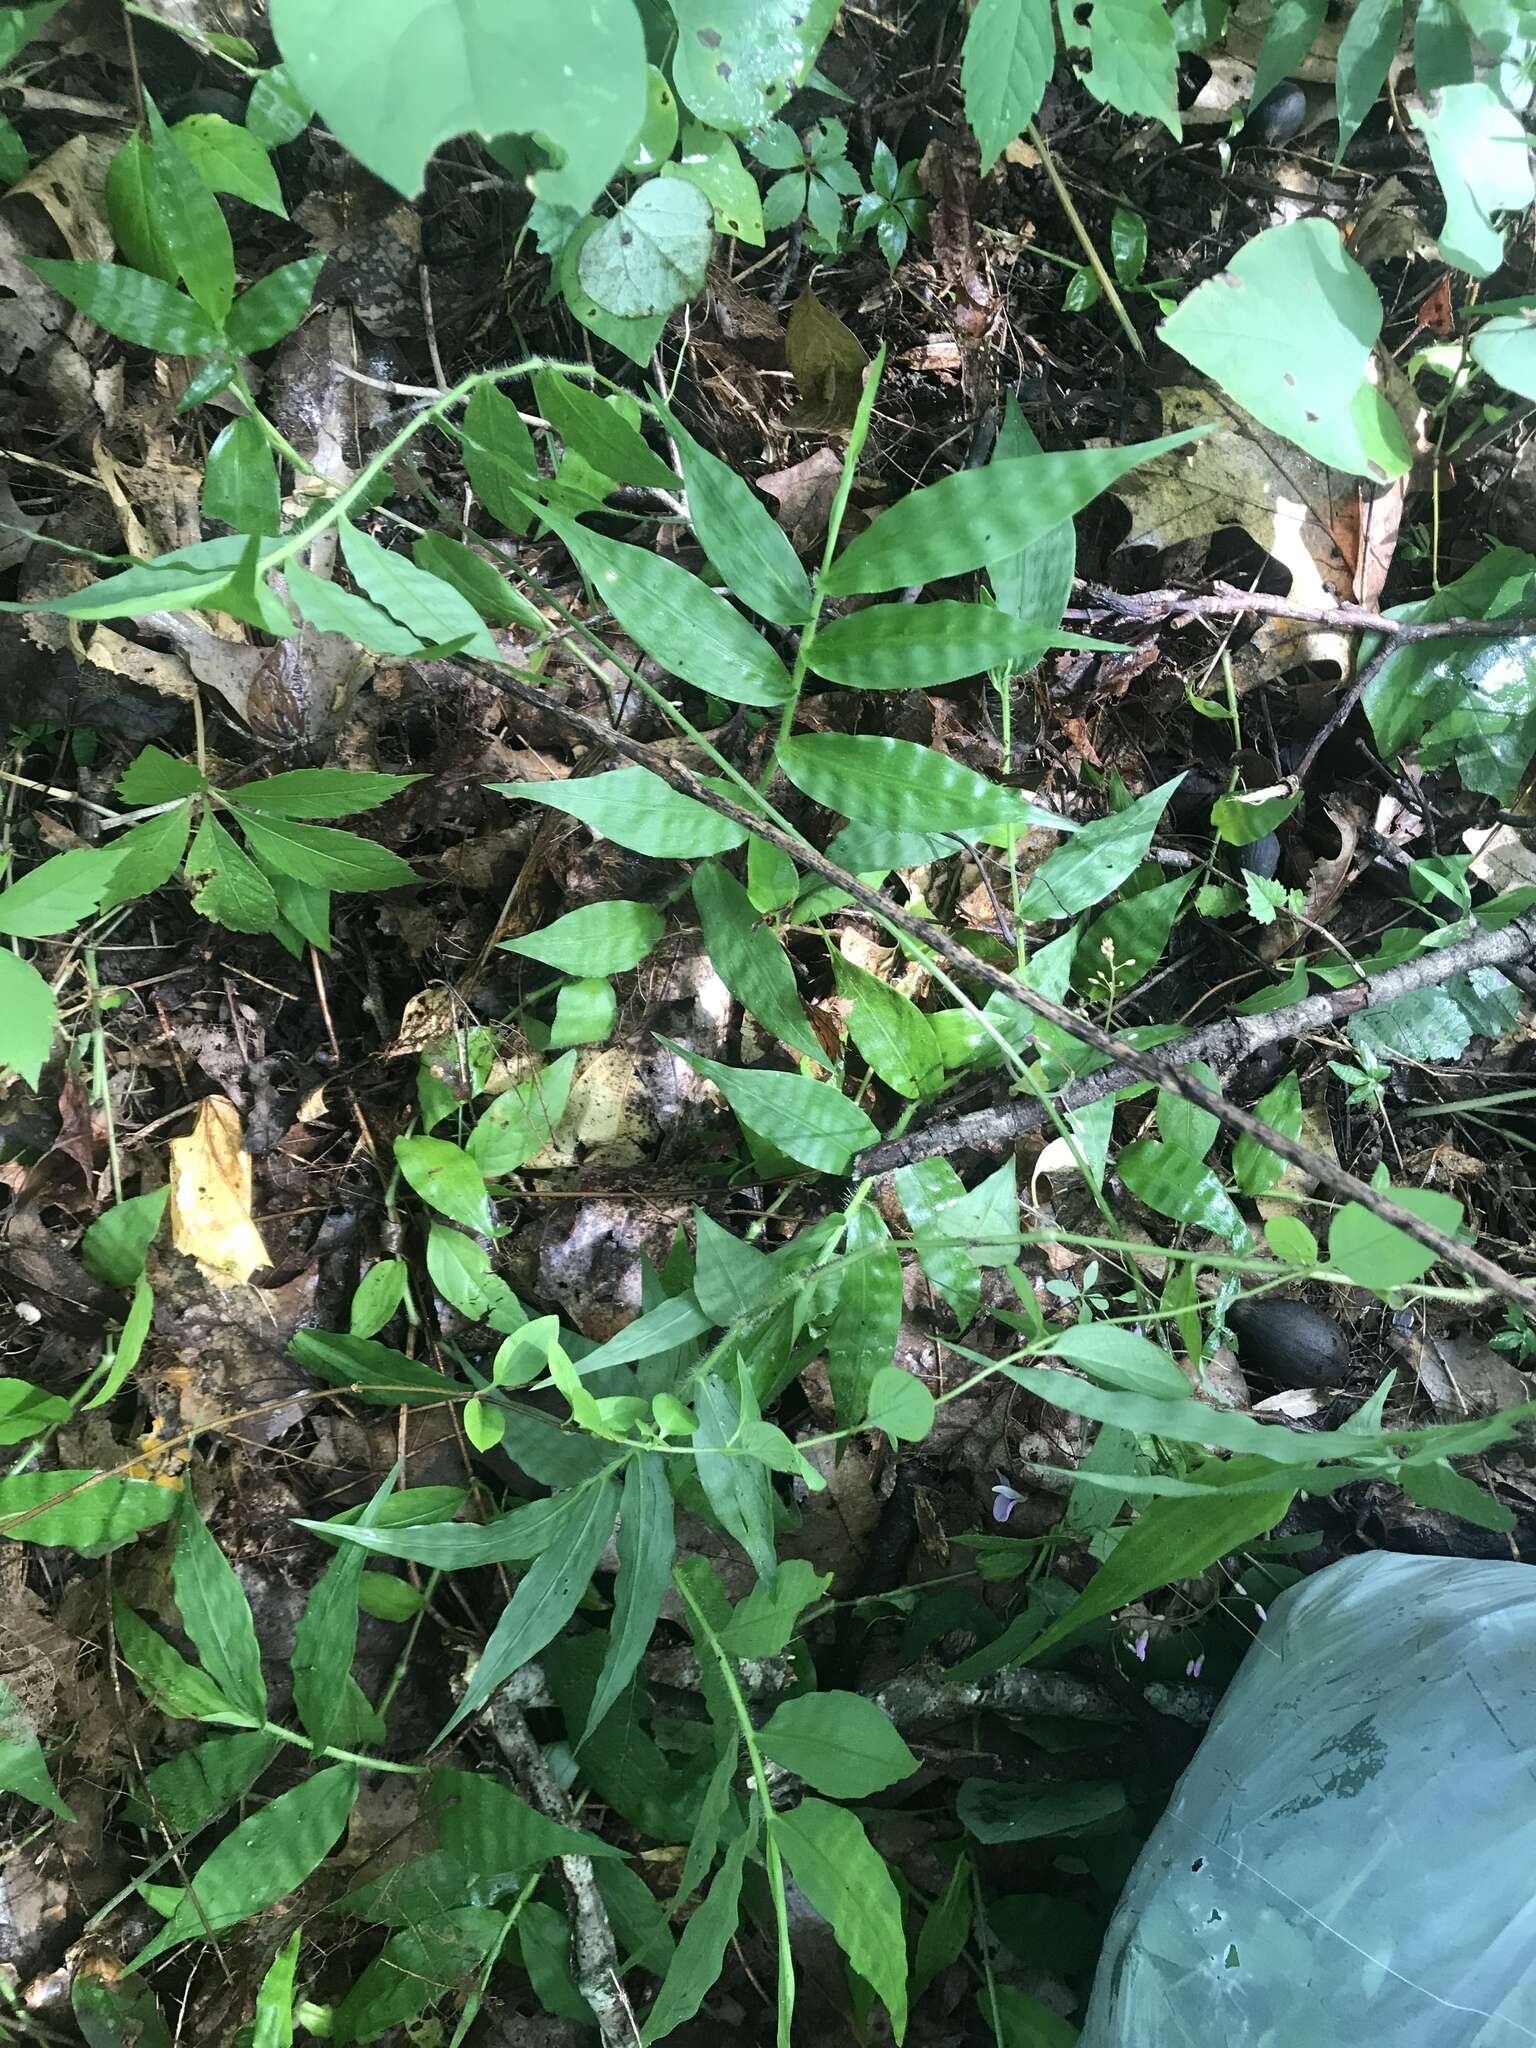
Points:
x=211, y=1196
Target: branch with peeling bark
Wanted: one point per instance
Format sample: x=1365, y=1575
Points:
x=1225, y=603
x=594, y=1953
x=1140, y=1065
x=1222, y=1045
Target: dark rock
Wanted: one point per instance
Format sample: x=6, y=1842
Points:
x=1290, y=1343
x=1278, y=116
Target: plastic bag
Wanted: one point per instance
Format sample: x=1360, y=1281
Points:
x=1351, y=1857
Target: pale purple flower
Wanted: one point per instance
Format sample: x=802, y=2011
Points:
x=1260, y=1612
x=1004, y=1501
x=1195, y=1666
x=1139, y=1647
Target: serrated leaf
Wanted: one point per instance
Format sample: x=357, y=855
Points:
x=236, y=893
x=320, y=855
x=320, y=792
x=1010, y=52
x=28, y=1014
x=147, y=856
x=57, y=894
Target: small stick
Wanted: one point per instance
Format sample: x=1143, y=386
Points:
x=1085, y=241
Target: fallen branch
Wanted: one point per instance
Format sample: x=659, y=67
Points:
x=1222, y=1045
x=923, y=1698
x=594, y=1954
x=1225, y=603
x=1143, y=1066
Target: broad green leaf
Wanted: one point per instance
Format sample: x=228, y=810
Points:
x=133, y=211
x=274, y=1997
x=995, y=1812
x=1185, y=1124
x=1096, y=859
x=1119, y=1358
x=392, y=79
x=599, y=938
x=546, y=1597
x=516, y=1537
x=663, y=1328
x=499, y=456
x=711, y=161
x=901, y=786
x=91, y=1512
x=737, y=67
x=216, y=1614
x=866, y=1321
x=322, y=856
x=345, y=1361
x=731, y=1278
x=654, y=252
x=737, y=1485
x=678, y=620
x=229, y=158
x=978, y=516
x=261, y=317
x=746, y=546
x=1035, y=584
x=763, y=1623
x=492, y=1833
x=445, y=1176
x=1291, y=31
x=117, y=2012
x=636, y=339
x=326, y=1697
x=810, y=1122
x=320, y=792
x=330, y=609
x=132, y=306
x=493, y=597
x=912, y=647
x=1506, y=349
x=521, y=1121
x=417, y=1966
x=945, y=1930
x=265, y=1859
x=695, y=1969
x=1437, y=1484
x=1125, y=942
x=636, y=809
x=599, y=433
x=839, y=1742
x=1287, y=330
x=646, y=1547
x=1010, y=52
x=423, y=602
x=891, y=1032
x=28, y=1014
x=18, y=25
x=846, y=1881
x=1241, y=820
x=1289, y=1239
x=154, y=777
x=180, y=581
x=1174, y=1539
x=147, y=856
x=1378, y=1255
x=277, y=112
x=750, y=960
x=773, y=880
x=190, y=222
x=379, y=1293
x=1369, y=43
x=586, y=1013
x=23, y=1767
x=200, y=1783
x=1255, y=1169
x=1175, y=1185
x=25, y=1410
x=183, y=1691
x=57, y=894
x=235, y=892
x=1127, y=244
x=240, y=481
x=459, y=1267
x=1133, y=59
x=656, y=137
x=1481, y=156
x=901, y=1405
x=942, y=1214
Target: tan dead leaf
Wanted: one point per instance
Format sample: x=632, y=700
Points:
x=1389, y=228
x=1021, y=152
x=1505, y=858
x=16, y=529
x=71, y=188
x=211, y=1197
x=804, y=494
x=1249, y=25
x=166, y=673
x=1229, y=87
x=1304, y=514
x=827, y=361
x=426, y=1019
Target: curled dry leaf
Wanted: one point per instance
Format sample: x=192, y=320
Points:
x=211, y=1196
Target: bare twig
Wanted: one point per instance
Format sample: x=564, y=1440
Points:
x=1343, y=710
x=923, y=1698
x=1222, y=1045
x=1224, y=601
x=594, y=1954
x=1140, y=1065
